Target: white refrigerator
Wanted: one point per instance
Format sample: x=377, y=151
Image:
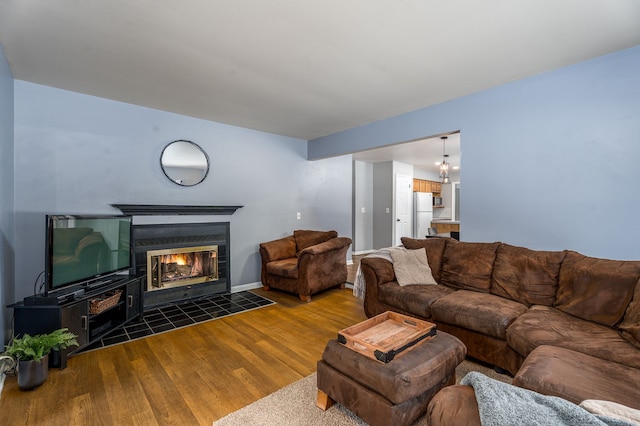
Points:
x=422, y=213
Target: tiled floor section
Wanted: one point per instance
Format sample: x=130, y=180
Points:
x=170, y=317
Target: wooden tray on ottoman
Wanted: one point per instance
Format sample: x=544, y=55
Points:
x=386, y=336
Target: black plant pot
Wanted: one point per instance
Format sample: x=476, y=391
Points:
x=32, y=374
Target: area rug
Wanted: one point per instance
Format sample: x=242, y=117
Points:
x=295, y=405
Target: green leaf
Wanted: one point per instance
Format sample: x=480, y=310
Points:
x=35, y=347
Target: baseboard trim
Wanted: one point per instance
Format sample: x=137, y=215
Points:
x=246, y=287
x=253, y=286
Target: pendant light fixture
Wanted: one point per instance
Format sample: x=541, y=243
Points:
x=444, y=166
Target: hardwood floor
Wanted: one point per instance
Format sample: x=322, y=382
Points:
x=193, y=375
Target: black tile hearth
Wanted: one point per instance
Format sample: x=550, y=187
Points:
x=170, y=317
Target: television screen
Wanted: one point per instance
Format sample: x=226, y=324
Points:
x=81, y=249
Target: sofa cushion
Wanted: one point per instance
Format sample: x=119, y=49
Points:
x=544, y=325
x=596, y=289
x=630, y=325
x=575, y=376
x=468, y=266
x=413, y=299
x=411, y=267
x=307, y=238
x=611, y=409
x=484, y=313
x=526, y=276
x=434, y=248
x=287, y=268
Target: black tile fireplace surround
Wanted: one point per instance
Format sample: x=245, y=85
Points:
x=177, y=236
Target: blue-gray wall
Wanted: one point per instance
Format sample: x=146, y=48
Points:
x=362, y=200
x=549, y=162
x=78, y=154
x=7, y=239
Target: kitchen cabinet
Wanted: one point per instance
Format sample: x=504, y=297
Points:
x=421, y=185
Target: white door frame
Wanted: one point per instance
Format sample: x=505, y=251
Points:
x=403, y=205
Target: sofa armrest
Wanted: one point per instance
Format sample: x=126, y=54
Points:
x=283, y=248
x=452, y=406
x=376, y=271
x=381, y=270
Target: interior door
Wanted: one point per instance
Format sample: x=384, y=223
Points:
x=404, y=195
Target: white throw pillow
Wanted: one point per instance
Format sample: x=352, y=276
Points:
x=611, y=409
x=411, y=267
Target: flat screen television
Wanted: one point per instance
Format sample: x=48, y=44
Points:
x=82, y=250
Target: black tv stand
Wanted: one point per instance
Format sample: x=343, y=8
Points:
x=75, y=313
x=99, y=283
x=55, y=298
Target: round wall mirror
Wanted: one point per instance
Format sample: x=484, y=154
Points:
x=184, y=163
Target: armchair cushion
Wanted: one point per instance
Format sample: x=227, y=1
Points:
x=306, y=238
x=287, y=268
x=283, y=248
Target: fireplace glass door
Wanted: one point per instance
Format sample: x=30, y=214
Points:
x=181, y=267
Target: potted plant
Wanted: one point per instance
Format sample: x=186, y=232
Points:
x=32, y=355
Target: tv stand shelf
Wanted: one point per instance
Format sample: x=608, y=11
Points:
x=75, y=315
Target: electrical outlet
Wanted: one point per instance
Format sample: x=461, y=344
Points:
x=388, y=211
x=298, y=215
x=362, y=210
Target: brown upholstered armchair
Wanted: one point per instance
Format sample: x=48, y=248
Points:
x=305, y=263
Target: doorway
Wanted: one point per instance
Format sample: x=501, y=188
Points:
x=404, y=206
x=374, y=186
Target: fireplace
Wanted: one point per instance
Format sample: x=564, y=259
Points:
x=182, y=261
x=175, y=267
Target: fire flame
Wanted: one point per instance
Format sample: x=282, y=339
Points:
x=179, y=259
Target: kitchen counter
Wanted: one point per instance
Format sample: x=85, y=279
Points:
x=448, y=221
x=445, y=225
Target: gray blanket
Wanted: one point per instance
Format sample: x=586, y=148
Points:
x=359, y=284
x=501, y=404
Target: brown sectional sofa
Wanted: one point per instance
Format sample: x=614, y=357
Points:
x=504, y=301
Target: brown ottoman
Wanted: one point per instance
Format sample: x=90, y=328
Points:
x=396, y=393
x=575, y=376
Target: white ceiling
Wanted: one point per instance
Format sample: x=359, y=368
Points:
x=302, y=68
x=423, y=154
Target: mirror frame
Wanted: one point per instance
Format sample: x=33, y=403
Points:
x=177, y=179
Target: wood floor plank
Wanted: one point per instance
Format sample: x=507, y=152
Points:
x=193, y=375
